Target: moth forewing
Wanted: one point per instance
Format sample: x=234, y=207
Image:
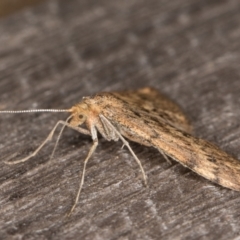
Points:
x=202, y=157
x=135, y=122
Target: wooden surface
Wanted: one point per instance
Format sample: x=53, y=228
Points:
x=54, y=54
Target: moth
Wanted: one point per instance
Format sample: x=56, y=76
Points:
x=147, y=117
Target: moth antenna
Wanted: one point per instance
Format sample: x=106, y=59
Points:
x=36, y=110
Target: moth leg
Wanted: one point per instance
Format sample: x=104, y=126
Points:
x=49, y=138
x=58, y=138
x=165, y=157
x=135, y=157
x=81, y=130
x=90, y=153
x=125, y=143
x=57, y=141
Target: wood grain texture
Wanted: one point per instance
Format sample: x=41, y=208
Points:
x=55, y=53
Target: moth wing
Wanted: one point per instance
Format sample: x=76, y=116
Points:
x=199, y=155
x=149, y=100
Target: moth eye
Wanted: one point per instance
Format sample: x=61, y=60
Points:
x=81, y=116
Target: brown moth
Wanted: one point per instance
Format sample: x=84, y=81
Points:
x=147, y=117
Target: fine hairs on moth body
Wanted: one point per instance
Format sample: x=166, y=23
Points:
x=147, y=117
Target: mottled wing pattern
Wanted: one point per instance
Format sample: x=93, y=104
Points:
x=149, y=101
x=136, y=122
x=199, y=155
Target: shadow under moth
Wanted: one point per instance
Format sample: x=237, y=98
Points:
x=147, y=117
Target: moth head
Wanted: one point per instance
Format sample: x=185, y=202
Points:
x=79, y=114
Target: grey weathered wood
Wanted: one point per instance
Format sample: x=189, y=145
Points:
x=53, y=54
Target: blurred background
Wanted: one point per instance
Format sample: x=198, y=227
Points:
x=10, y=6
